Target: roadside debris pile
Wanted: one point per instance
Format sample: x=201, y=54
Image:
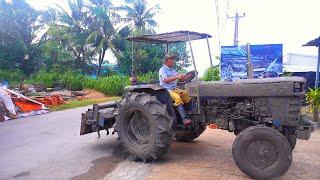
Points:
x=37, y=99
x=58, y=97
x=14, y=105
x=89, y=94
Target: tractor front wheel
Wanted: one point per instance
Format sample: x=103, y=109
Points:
x=262, y=152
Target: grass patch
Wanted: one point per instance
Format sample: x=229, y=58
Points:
x=85, y=102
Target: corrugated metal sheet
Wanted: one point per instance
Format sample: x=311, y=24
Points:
x=171, y=37
x=315, y=42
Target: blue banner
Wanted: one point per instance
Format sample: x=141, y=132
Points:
x=266, y=61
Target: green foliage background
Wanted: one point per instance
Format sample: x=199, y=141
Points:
x=313, y=97
x=110, y=85
x=58, y=46
x=212, y=74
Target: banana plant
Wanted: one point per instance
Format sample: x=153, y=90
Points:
x=313, y=98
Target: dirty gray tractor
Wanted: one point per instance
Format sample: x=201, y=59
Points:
x=264, y=114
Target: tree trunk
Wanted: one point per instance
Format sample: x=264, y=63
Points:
x=101, y=57
x=21, y=83
x=84, y=65
x=54, y=57
x=25, y=70
x=98, y=70
x=315, y=114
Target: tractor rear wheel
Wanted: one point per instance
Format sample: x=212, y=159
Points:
x=144, y=126
x=262, y=152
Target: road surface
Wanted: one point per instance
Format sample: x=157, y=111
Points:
x=49, y=147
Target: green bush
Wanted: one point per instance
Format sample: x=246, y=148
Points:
x=13, y=77
x=49, y=79
x=110, y=85
x=90, y=83
x=72, y=81
x=149, y=77
x=313, y=98
x=212, y=74
x=287, y=74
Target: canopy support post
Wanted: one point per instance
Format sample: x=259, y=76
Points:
x=316, y=84
x=197, y=81
x=211, y=64
x=132, y=60
x=167, y=48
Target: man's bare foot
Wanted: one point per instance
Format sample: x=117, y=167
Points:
x=187, y=122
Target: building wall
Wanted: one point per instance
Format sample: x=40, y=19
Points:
x=301, y=60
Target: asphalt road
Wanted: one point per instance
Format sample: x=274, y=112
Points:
x=49, y=147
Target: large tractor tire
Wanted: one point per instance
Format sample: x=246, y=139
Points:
x=292, y=139
x=262, y=152
x=189, y=135
x=290, y=134
x=144, y=126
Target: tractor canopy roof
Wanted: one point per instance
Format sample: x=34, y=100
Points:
x=170, y=37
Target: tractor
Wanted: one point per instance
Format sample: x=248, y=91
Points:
x=263, y=113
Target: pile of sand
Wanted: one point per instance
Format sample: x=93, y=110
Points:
x=92, y=94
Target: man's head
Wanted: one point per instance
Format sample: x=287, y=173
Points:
x=169, y=60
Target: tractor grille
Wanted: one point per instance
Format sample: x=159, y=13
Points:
x=294, y=110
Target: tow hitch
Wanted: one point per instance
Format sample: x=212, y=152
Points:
x=98, y=118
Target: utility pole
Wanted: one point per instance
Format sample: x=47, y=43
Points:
x=236, y=23
x=249, y=63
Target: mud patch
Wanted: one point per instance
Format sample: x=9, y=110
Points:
x=103, y=166
x=22, y=174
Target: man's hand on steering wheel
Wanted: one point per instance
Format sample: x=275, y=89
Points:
x=180, y=77
x=186, y=78
x=190, y=75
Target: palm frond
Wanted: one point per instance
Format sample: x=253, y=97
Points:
x=151, y=11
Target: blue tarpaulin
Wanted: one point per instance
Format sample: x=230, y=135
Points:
x=266, y=61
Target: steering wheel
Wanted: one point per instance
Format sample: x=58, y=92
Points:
x=190, y=75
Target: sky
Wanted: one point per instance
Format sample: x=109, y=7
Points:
x=288, y=22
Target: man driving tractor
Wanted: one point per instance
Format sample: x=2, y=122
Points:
x=169, y=78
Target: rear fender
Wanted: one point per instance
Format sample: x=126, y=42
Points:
x=139, y=87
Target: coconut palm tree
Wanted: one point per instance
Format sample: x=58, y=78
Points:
x=103, y=32
x=139, y=16
x=75, y=25
x=19, y=49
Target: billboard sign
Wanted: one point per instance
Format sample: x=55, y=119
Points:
x=266, y=61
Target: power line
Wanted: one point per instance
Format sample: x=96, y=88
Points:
x=218, y=23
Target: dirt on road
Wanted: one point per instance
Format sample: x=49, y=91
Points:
x=103, y=166
x=49, y=147
x=210, y=157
